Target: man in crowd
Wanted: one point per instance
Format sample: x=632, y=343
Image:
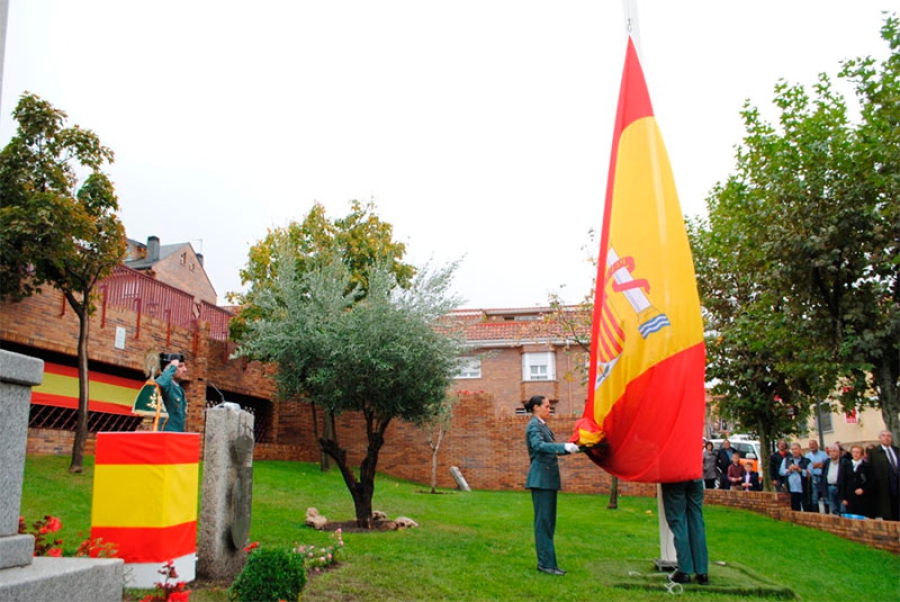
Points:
x=817, y=459
x=775, y=461
x=795, y=472
x=723, y=461
x=834, y=475
x=885, y=461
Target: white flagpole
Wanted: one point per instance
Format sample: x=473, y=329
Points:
x=631, y=24
x=667, y=559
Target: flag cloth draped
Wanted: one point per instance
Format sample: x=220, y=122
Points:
x=145, y=494
x=643, y=420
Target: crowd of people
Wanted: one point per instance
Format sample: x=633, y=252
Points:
x=863, y=482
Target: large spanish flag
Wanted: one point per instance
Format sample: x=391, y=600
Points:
x=646, y=399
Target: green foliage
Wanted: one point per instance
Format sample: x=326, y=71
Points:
x=381, y=355
x=271, y=574
x=358, y=241
x=55, y=232
x=798, y=259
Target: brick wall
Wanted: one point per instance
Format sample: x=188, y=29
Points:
x=880, y=534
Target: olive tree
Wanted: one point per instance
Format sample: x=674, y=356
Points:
x=382, y=356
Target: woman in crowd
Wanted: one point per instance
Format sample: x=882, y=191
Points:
x=710, y=474
x=857, y=484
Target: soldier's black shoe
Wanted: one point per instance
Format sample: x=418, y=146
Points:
x=702, y=579
x=679, y=577
x=555, y=571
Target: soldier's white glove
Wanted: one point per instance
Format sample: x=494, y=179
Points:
x=571, y=448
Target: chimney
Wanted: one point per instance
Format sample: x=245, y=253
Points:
x=200, y=259
x=153, y=248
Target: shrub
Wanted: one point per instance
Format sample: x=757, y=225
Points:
x=271, y=574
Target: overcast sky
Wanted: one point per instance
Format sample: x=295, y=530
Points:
x=480, y=129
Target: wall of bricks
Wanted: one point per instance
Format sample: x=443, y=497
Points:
x=880, y=534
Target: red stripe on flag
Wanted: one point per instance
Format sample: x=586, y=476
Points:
x=668, y=410
x=147, y=544
x=138, y=447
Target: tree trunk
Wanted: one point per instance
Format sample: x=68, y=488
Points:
x=434, y=459
x=886, y=382
x=765, y=450
x=327, y=433
x=362, y=489
x=613, y=493
x=81, y=427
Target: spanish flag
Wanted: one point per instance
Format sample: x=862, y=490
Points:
x=145, y=497
x=643, y=420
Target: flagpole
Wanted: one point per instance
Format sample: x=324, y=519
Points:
x=632, y=27
x=667, y=558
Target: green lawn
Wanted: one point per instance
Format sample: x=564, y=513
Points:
x=478, y=545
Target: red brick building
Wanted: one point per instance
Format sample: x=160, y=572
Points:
x=515, y=353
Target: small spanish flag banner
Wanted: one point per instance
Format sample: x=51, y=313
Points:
x=109, y=394
x=145, y=494
x=643, y=420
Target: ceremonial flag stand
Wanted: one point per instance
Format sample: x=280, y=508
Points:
x=145, y=501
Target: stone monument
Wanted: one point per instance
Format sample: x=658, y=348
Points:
x=227, y=492
x=22, y=576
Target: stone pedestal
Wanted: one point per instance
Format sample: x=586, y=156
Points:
x=18, y=373
x=23, y=577
x=227, y=492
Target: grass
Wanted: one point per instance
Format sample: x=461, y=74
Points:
x=479, y=545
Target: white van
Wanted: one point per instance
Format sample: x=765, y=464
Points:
x=748, y=448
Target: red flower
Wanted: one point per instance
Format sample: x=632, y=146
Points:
x=251, y=546
x=55, y=552
x=53, y=524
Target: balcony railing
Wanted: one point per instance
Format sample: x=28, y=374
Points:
x=146, y=296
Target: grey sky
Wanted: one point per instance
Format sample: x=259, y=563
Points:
x=481, y=129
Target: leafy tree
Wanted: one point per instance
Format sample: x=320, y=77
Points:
x=797, y=261
x=359, y=241
x=54, y=231
x=381, y=355
x=436, y=426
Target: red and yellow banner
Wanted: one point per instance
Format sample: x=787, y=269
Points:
x=109, y=394
x=646, y=395
x=145, y=494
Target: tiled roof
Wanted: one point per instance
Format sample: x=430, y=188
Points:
x=513, y=325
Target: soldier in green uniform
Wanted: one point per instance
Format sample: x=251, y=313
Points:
x=172, y=393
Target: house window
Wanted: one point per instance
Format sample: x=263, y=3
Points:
x=825, y=425
x=469, y=367
x=539, y=366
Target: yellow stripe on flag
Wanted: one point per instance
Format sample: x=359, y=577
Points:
x=654, y=236
x=123, y=495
